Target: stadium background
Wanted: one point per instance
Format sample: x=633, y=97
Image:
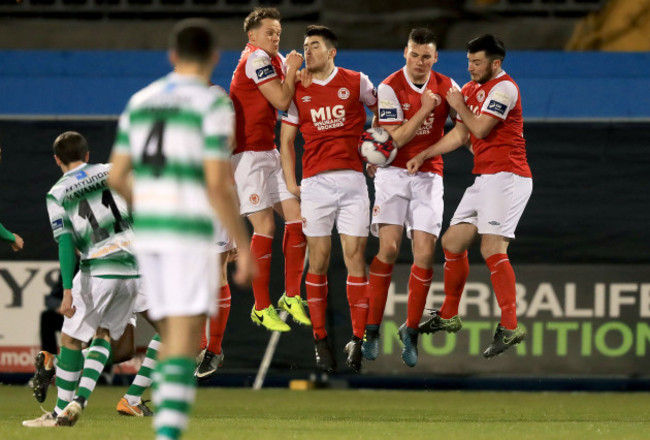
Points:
x=581, y=257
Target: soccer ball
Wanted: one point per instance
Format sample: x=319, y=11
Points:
x=377, y=147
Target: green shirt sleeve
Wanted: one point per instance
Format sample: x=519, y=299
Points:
x=6, y=235
x=67, y=260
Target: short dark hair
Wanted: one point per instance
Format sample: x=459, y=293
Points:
x=193, y=40
x=493, y=47
x=70, y=147
x=330, y=38
x=423, y=36
x=254, y=19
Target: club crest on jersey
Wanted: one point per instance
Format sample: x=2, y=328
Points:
x=406, y=106
x=306, y=98
x=80, y=175
x=57, y=224
x=265, y=71
x=343, y=93
x=376, y=210
x=480, y=96
x=254, y=199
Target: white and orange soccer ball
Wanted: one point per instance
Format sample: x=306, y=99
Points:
x=376, y=147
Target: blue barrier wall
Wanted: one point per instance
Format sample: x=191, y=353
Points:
x=553, y=84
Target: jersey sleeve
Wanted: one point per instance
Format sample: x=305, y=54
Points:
x=368, y=93
x=218, y=129
x=259, y=68
x=389, y=107
x=122, y=144
x=454, y=84
x=58, y=218
x=501, y=99
x=291, y=115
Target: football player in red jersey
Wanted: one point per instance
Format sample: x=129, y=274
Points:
x=263, y=83
x=330, y=114
x=412, y=108
x=490, y=119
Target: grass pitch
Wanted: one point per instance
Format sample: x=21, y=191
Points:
x=353, y=414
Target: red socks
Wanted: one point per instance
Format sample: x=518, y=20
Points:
x=316, y=288
x=379, y=282
x=218, y=323
x=419, y=283
x=503, y=282
x=357, y=290
x=294, y=246
x=261, y=246
x=456, y=272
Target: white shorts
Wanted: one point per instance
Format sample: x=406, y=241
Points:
x=141, y=304
x=494, y=203
x=223, y=242
x=414, y=201
x=181, y=283
x=335, y=197
x=101, y=303
x=259, y=180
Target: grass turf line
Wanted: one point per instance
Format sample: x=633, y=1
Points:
x=352, y=414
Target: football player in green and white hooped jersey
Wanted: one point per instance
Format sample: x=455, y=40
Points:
x=87, y=216
x=175, y=135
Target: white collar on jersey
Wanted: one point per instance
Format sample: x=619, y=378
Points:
x=324, y=82
x=413, y=86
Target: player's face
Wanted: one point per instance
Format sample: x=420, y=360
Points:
x=479, y=66
x=420, y=58
x=317, y=55
x=267, y=36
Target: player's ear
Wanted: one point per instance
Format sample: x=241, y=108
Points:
x=333, y=52
x=406, y=51
x=173, y=57
x=87, y=157
x=215, y=57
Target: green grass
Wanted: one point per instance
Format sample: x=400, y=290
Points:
x=354, y=414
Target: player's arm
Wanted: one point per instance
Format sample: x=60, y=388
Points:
x=15, y=240
x=223, y=199
x=457, y=137
x=404, y=133
x=62, y=232
x=288, y=157
x=120, y=177
x=278, y=93
x=480, y=126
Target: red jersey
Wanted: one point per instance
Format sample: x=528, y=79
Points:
x=331, y=117
x=255, y=116
x=400, y=99
x=504, y=148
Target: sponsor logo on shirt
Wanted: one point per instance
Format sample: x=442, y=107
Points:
x=497, y=107
x=343, y=93
x=388, y=113
x=480, y=96
x=306, y=99
x=80, y=175
x=57, y=224
x=265, y=71
x=326, y=118
x=406, y=106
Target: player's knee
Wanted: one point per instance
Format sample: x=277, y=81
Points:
x=388, y=252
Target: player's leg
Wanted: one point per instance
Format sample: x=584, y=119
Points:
x=131, y=403
x=211, y=356
x=379, y=278
x=316, y=288
x=294, y=246
x=354, y=249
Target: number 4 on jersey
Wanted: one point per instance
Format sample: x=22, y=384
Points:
x=155, y=159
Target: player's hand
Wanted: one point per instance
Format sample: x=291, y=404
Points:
x=294, y=60
x=414, y=164
x=455, y=98
x=67, y=309
x=246, y=268
x=430, y=100
x=295, y=190
x=18, y=244
x=371, y=170
x=304, y=76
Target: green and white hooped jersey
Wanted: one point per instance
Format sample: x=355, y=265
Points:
x=169, y=128
x=81, y=204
